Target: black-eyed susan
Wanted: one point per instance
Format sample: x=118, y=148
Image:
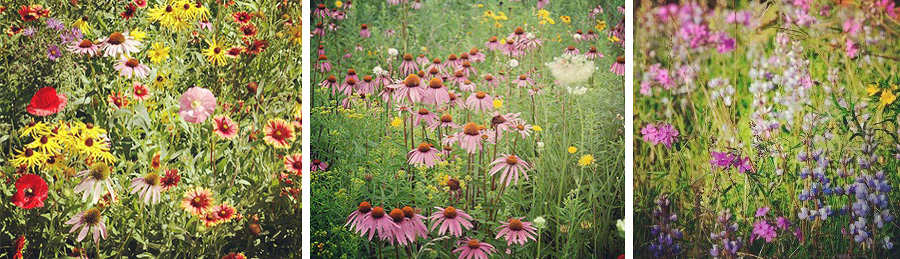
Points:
x=46, y=144
x=29, y=158
x=216, y=52
x=35, y=129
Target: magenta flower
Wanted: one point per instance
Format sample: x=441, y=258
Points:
x=89, y=221
x=761, y=212
x=721, y=159
x=472, y=249
x=512, y=166
x=197, y=104
x=762, y=229
x=523, y=81
x=451, y=220
x=618, y=67
x=660, y=133
x=364, y=31
x=356, y=217
x=408, y=66
x=376, y=221
x=480, y=102
x=424, y=155
x=516, y=231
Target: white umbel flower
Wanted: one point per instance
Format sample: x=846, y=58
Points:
x=571, y=69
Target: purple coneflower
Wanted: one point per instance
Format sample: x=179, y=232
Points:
x=367, y=86
x=524, y=130
x=436, y=64
x=351, y=73
x=491, y=81
x=330, y=82
x=323, y=65
x=445, y=122
x=423, y=114
x=347, y=87
x=452, y=62
x=422, y=60
x=376, y=221
x=571, y=50
x=318, y=165
x=436, y=93
x=542, y=3
x=516, y=231
x=593, y=54
x=480, y=102
x=476, y=55
x=89, y=221
x=408, y=66
x=416, y=5
x=409, y=89
x=467, y=68
x=93, y=181
x=492, y=44
x=424, y=155
x=467, y=86
x=356, y=217
x=119, y=44
x=523, y=81
x=459, y=77
x=129, y=67
x=364, y=31
x=451, y=220
x=512, y=166
x=472, y=249
x=86, y=47
x=147, y=187
x=591, y=36
x=517, y=34
x=618, y=67
x=511, y=49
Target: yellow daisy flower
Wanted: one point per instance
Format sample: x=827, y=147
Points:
x=572, y=149
x=158, y=53
x=586, y=160
x=215, y=53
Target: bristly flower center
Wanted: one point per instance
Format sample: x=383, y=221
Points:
x=424, y=147
x=450, y=212
x=397, y=215
x=473, y=244
x=516, y=225
x=91, y=217
x=116, y=38
x=364, y=207
x=471, y=129
x=512, y=160
x=378, y=212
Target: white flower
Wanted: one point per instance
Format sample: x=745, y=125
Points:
x=539, y=222
x=577, y=36
x=529, y=35
x=571, y=69
x=578, y=90
x=378, y=70
x=393, y=52
x=513, y=63
x=540, y=145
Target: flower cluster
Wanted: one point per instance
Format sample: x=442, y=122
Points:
x=667, y=237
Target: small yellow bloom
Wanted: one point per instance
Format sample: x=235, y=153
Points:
x=601, y=24
x=887, y=98
x=158, y=53
x=498, y=103
x=566, y=19
x=424, y=49
x=396, y=122
x=138, y=34
x=543, y=13
x=572, y=149
x=338, y=3
x=614, y=39
x=480, y=5
x=586, y=160
x=873, y=89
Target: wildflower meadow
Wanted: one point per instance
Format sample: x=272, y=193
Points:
x=766, y=130
x=467, y=129
x=150, y=129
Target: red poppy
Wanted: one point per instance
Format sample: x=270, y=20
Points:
x=31, y=192
x=20, y=245
x=46, y=102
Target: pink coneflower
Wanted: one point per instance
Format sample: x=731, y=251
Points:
x=467, y=86
x=452, y=62
x=364, y=31
x=436, y=93
x=491, y=81
x=593, y=53
x=451, y=220
x=319, y=30
x=423, y=114
x=86, y=47
x=351, y=73
x=140, y=92
x=530, y=42
x=401, y=235
x=511, y=49
x=119, y=44
x=387, y=94
x=516, y=231
x=367, y=86
x=413, y=223
x=339, y=15
x=492, y=44
x=323, y=65
x=436, y=64
x=523, y=129
x=591, y=36
x=422, y=60
x=459, y=77
x=472, y=249
x=512, y=166
x=89, y=221
x=389, y=33
x=409, y=89
x=356, y=217
x=455, y=101
x=578, y=36
x=517, y=34
x=542, y=3
x=416, y=5
x=170, y=180
x=618, y=67
x=93, y=181
x=294, y=163
x=467, y=68
x=408, y=66
x=330, y=82
x=197, y=201
x=535, y=91
x=318, y=165
x=476, y=55
x=224, y=127
x=128, y=67
x=523, y=81
x=852, y=49
x=469, y=139
x=480, y=102
x=147, y=187
x=196, y=104
x=376, y=221
x=432, y=73
x=505, y=122
x=347, y=87
x=321, y=12
x=571, y=50
x=446, y=121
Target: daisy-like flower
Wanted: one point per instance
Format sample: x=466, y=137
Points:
x=467, y=68
x=215, y=53
x=446, y=121
x=93, y=181
x=294, y=163
x=279, y=133
x=196, y=104
x=408, y=66
x=492, y=44
x=96, y=148
x=376, y=221
x=480, y=102
x=241, y=17
x=586, y=160
x=89, y=221
x=593, y=53
x=523, y=130
x=472, y=249
x=117, y=99
x=47, y=144
x=422, y=60
x=512, y=166
x=409, y=89
x=459, y=77
x=147, y=187
x=318, y=165
x=467, y=86
x=118, y=44
x=414, y=224
x=141, y=92
x=591, y=36
x=618, y=67
x=158, y=53
x=197, y=201
x=423, y=114
x=477, y=55
x=129, y=67
x=356, y=217
x=364, y=31
x=437, y=64
x=323, y=65
x=84, y=47
x=516, y=231
x=424, y=155
x=491, y=81
x=53, y=52
x=523, y=81
x=367, y=86
x=451, y=221
x=210, y=219
x=436, y=93
x=234, y=256
x=248, y=30
x=170, y=180
x=224, y=127
x=224, y=212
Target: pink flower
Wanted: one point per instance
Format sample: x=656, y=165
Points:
x=224, y=127
x=480, y=102
x=451, y=220
x=618, y=67
x=516, y=231
x=376, y=221
x=472, y=249
x=512, y=166
x=197, y=104
x=762, y=229
x=141, y=92
x=89, y=221
x=660, y=133
x=129, y=67
x=424, y=155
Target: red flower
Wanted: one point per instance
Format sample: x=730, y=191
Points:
x=20, y=245
x=27, y=14
x=130, y=9
x=241, y=17
x=621, y=257
x=31, y=192
x=46, y=102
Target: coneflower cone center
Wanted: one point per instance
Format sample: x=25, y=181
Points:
x=99, y=171
x=515, y=224
x=522, y=77
x=480, y=95
x=323, y=57
x=446, y=118
x=424, y=147
x=85, y=44
x=409, y=212
x=367, y=79
x=91, y=217
x=512, y=160
x=497, y=120
x=412, y=80
x=620, y=60
x=116, y=38
x=152, y=179
x=470, y=129
x=459, y=73
x=450, y=212
x=378, y=212
x=132, y=63
x=436, y=83
x=397, y=215
x=453, y=184
x=364, y=207
x=473, y=244
x=407, y=57
x=423, y=111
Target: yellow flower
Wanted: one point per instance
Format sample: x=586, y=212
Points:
x=138, y=34
x=498, y=103
x=158, y=53
x=216, y=52
x=537, y=128
x=614, y=39
x=873, y=89
x=396, y=122
x=887, y=97
x=424, y=49
x=572, y=149
x=497, y=24
x=543, y=13
x=566, y=19
x=83, y=25
x=29, y=158
x=488, y=14
x=480, y=5
x=338, y=3
x=586, y=160
x=550, y=20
